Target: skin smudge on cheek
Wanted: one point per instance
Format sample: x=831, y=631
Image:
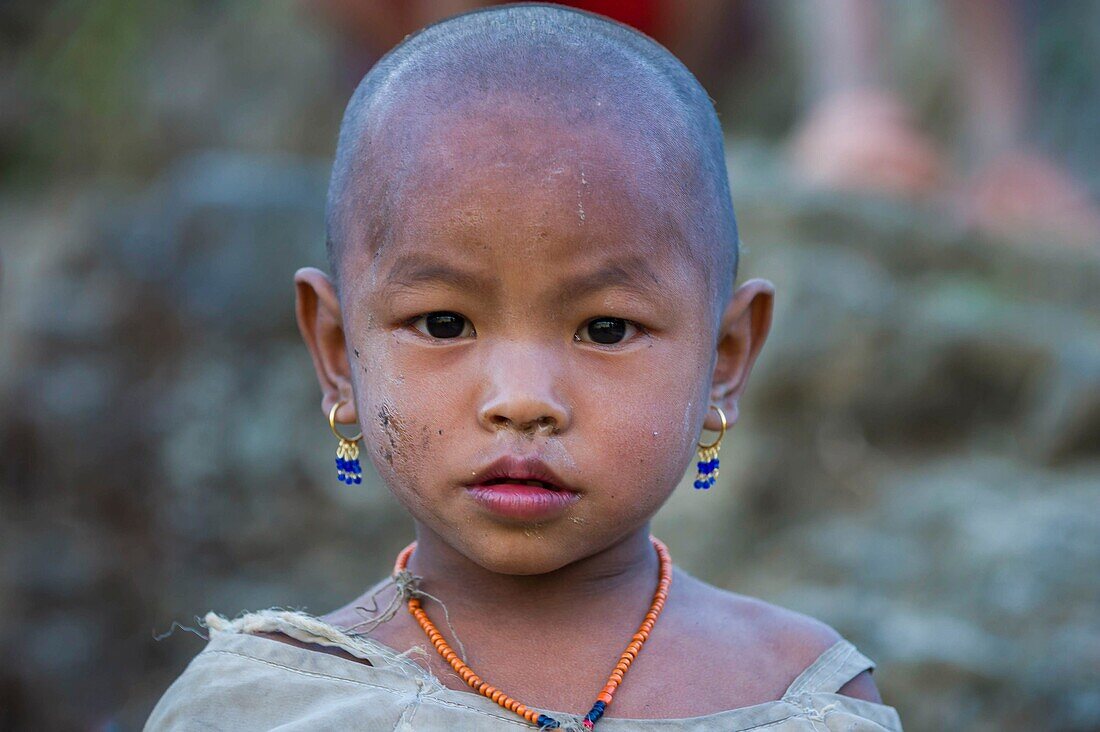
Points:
x=391, y=432
x=402, y=446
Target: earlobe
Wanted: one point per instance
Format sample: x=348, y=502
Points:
x=742, y=331
x=321, y=324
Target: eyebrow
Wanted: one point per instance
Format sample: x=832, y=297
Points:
x=632, y=273
x=411, y=270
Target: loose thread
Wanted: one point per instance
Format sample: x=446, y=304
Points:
x=385, y=616
x=408, y=586
x=176, y=625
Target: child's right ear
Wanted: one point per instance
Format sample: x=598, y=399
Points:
x=322, y=327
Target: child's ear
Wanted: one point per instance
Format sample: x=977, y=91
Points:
x=741, y=333
x=322, y=328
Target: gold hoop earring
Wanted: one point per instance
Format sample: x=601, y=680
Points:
x=708, y=455
x=348, y=469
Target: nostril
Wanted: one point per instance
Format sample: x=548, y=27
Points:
x=543, y=425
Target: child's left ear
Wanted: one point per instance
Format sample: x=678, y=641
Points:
x=741, y=334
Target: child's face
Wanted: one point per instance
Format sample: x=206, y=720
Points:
x=536, y=300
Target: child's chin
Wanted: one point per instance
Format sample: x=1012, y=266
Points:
x=520, y=552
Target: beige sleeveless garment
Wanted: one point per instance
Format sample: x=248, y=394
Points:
x=242, y=682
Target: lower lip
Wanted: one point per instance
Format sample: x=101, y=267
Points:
x=521, y=501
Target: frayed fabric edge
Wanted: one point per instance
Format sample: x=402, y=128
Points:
x=310, y=629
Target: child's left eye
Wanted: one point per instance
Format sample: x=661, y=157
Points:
x=606, y=331
x=444, y=325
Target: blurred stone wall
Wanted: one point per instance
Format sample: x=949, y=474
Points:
x=917, y=463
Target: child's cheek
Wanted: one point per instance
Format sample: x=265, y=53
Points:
x=390, y=435
x=640, y=447
x=398, y=447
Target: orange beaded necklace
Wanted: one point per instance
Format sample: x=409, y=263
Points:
x=544, y=721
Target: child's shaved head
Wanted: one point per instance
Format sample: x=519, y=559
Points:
x=528, y=72
x=533, y=249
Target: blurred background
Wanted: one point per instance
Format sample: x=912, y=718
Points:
x=918, y=458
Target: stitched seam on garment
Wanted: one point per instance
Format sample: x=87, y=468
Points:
x=830, y=709
x=765, y=724
x=829, y=664
x=840, y=665
x=410, y=710
x=801, y=683
x=828, y=669
x=443, y=702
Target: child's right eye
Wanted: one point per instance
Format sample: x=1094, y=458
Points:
x=444, y=325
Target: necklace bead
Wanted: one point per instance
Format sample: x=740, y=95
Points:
x=545, y=721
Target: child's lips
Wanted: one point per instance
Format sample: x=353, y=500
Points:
x=522, y=501
x=519, y=470
x=521, y=488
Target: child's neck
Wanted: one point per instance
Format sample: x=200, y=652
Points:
x=622, y=572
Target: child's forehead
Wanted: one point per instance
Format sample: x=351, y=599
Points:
x=533, y=178
x=502, y=130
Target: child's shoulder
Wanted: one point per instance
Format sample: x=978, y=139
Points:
x=751, y=642
x=743, y=618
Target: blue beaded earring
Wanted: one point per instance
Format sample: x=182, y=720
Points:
x=348, y=469
x=708, y=455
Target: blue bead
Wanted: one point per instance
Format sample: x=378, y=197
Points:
x=358, y=480
x=698, y=484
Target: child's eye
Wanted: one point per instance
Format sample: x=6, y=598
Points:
x=444, y=325
x=606, y=331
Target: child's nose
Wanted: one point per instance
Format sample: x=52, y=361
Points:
x=523, y=396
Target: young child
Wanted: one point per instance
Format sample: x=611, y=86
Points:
x=531, y=315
